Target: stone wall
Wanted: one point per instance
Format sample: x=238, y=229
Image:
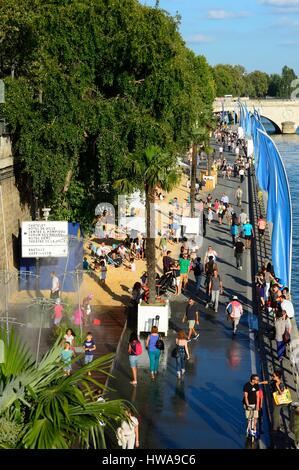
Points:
x=11, y=215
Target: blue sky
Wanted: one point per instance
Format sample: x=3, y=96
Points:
x=259, y=34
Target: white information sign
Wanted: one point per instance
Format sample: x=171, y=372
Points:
x=44, y=239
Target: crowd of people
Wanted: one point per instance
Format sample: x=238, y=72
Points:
x=273, y=297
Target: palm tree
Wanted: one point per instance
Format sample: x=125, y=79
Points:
x=151, y=170
x=42, y=409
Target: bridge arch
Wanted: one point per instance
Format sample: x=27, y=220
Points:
x=276, y=126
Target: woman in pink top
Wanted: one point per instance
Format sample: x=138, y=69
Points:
x=57, y=315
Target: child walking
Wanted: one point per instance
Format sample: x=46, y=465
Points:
x=66, y=356
x=89, y=347
x=103, y=272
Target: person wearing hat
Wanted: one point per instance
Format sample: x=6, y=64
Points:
x=57, y=315
x=234, y=312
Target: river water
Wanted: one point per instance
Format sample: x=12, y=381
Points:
x=288, y=146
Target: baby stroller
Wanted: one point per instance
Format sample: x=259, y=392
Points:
x=165, y=283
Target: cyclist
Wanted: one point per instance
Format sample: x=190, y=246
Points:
x=251, y=399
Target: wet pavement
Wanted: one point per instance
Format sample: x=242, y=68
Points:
x=205, y=410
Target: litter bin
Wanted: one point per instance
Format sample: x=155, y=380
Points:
x=294, y=421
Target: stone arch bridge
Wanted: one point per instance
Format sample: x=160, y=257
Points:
x=284, y=114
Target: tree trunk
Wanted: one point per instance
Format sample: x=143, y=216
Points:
x=209, y=163
x=67, y=180
x=193, y=181
x=150, y=243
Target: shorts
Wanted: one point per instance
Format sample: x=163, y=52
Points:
x=248, y=237
x=191, y=324
x=184, y=277
x=57, y=320
x=261, y=231
x=133, y=360
x=177, y=281
x=88, y=358
x=248, y=412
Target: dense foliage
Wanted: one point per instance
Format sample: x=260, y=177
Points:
x=110, y=79
x=234, y=80
x=42, y=409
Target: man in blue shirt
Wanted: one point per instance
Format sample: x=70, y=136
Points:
x=248, y=234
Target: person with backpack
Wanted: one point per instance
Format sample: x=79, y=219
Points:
x=197, y=270
x=153, y=351
x=134, y=351
x=234, y=311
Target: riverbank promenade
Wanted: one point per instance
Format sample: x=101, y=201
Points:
x=205, y=409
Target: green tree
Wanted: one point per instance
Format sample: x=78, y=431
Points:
x=224, y=80
x=150, y=170
x=112, y=78
x=274, y=85
x=260, y=83
x=42, y=409
x=287, y=76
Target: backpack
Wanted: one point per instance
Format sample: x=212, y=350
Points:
x=136, y=348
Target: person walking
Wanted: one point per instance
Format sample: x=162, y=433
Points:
x=234, y=230
x=192, y=317
x=210, y=215
x=163, y=245
x=234, y=312
x=282, y=325
x=89, y=347
x=210, y=266
x=182, y=353
x=58, y=309
x=261, y=223
x=184, y=263
x=197, y=270
x=134, y=351
x=128, y=433
x=251, y=399
x=69, y=337
x=54, y=294
x=277, y=385
x=242, y=218
x=66, y=356
x=242, y=174
x=153, y=352
x=215, y=288
x=167, y=262
x=238, y=196
x=239, y=250
x=210, y=252
x=248, y=234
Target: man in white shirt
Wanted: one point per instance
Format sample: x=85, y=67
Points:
x=225, y=199
x=288, y=307
x=238, y=196
x=242, y=174
x=54, y=294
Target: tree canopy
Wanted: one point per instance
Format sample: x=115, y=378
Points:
x=234, y=80
x=111, y=79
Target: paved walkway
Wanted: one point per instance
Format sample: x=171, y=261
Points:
x=204, y=411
